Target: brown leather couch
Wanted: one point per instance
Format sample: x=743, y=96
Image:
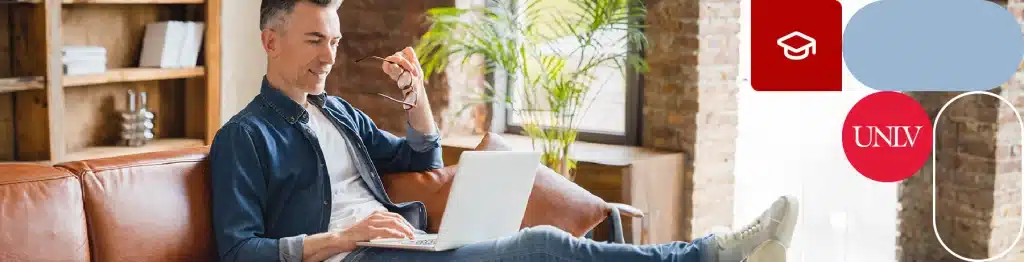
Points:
x=154, y=206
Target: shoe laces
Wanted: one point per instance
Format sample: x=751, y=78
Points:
x=751, y=229
x=747, y=231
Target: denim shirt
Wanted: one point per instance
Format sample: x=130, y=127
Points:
x=270, y=187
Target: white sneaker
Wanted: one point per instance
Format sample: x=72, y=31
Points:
x=769, y=251
x=775, y=224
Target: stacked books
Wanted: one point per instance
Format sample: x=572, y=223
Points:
x=172, y=44
x=83, y=60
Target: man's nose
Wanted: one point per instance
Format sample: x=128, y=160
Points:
x=327, y=54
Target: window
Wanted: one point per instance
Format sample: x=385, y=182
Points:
x=610, y=108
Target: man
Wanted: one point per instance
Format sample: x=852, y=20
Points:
x=295, y=174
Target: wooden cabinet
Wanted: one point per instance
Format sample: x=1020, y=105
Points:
x=47, y=116
x=647, y=179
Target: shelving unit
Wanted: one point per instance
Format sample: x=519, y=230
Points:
x=114, y=1
x=49, y=117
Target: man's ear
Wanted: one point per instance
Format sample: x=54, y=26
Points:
x=270, y=42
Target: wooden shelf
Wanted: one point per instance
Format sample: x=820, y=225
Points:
x=133, y=2
x=16, y=84
x=117, y=75
x=133, y=75
x=153, y=146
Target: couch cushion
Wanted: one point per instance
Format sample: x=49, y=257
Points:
x=148, y=207
x=430, y=187
x=554, y=201
x=41, y=215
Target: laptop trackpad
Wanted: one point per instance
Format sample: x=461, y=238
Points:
x=402, y=240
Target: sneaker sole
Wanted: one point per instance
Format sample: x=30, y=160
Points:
x=769, y=251
x=789, y=222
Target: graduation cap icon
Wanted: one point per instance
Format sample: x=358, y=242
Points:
x=797, y=45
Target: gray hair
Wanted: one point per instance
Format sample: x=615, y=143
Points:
x=272, y=11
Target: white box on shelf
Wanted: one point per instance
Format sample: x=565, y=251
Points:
x=162, y=44
x=192, y=44
x=83, y=60
x=85, y=67
x=84, y=51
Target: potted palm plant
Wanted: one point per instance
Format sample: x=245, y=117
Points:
x=552, y=52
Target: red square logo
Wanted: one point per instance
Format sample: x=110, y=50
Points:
x=796, y=49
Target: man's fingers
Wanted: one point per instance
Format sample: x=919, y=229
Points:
x=404, y=80
x=410, y=54
x=393, y=223
x=400, y=219
x=392, y=230
x=399, y=59
x=384, y=232
x=394, y=215
x=408, y=66
x=402, y=76
x=393, y=69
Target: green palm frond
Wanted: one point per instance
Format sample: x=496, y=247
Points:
x=516, y=36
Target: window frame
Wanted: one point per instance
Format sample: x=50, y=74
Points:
x=501, y=117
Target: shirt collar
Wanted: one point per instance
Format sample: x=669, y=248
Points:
x=285, y=106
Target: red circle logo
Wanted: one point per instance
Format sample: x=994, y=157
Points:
x=887, y=136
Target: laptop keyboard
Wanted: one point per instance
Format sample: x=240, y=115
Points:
x=424, y=242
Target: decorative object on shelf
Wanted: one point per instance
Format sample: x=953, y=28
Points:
x=84, y=60
x=551, y=56
x=136, y=124
x=172, y=44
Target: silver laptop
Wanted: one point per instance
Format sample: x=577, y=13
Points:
x=487, y=201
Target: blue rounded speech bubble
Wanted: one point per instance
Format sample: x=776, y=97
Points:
x=933, y=45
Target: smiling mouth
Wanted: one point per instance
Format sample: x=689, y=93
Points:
x=324, y=73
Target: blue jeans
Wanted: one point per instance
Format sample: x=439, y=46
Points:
x=544, y=243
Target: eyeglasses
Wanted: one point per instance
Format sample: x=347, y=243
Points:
x=405, y=89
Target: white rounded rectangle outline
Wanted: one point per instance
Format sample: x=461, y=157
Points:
x=935, y=228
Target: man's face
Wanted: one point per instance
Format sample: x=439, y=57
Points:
x=304, y=51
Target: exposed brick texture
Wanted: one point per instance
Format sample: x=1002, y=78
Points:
x=381, y=28
x=690, y=100
x=465, y=115
x=1008, y=192
x=965, y=150
x=977, y=178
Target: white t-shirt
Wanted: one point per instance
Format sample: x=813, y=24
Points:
x=351, y=200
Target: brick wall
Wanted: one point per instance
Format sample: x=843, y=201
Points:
x=690, y=99
x=965, y=168
x=381, y=28
x=1006, y=210
x=978, y=179
x=1007, y=190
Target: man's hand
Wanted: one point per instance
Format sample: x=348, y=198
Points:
x=405, y=69
x=377, y=225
